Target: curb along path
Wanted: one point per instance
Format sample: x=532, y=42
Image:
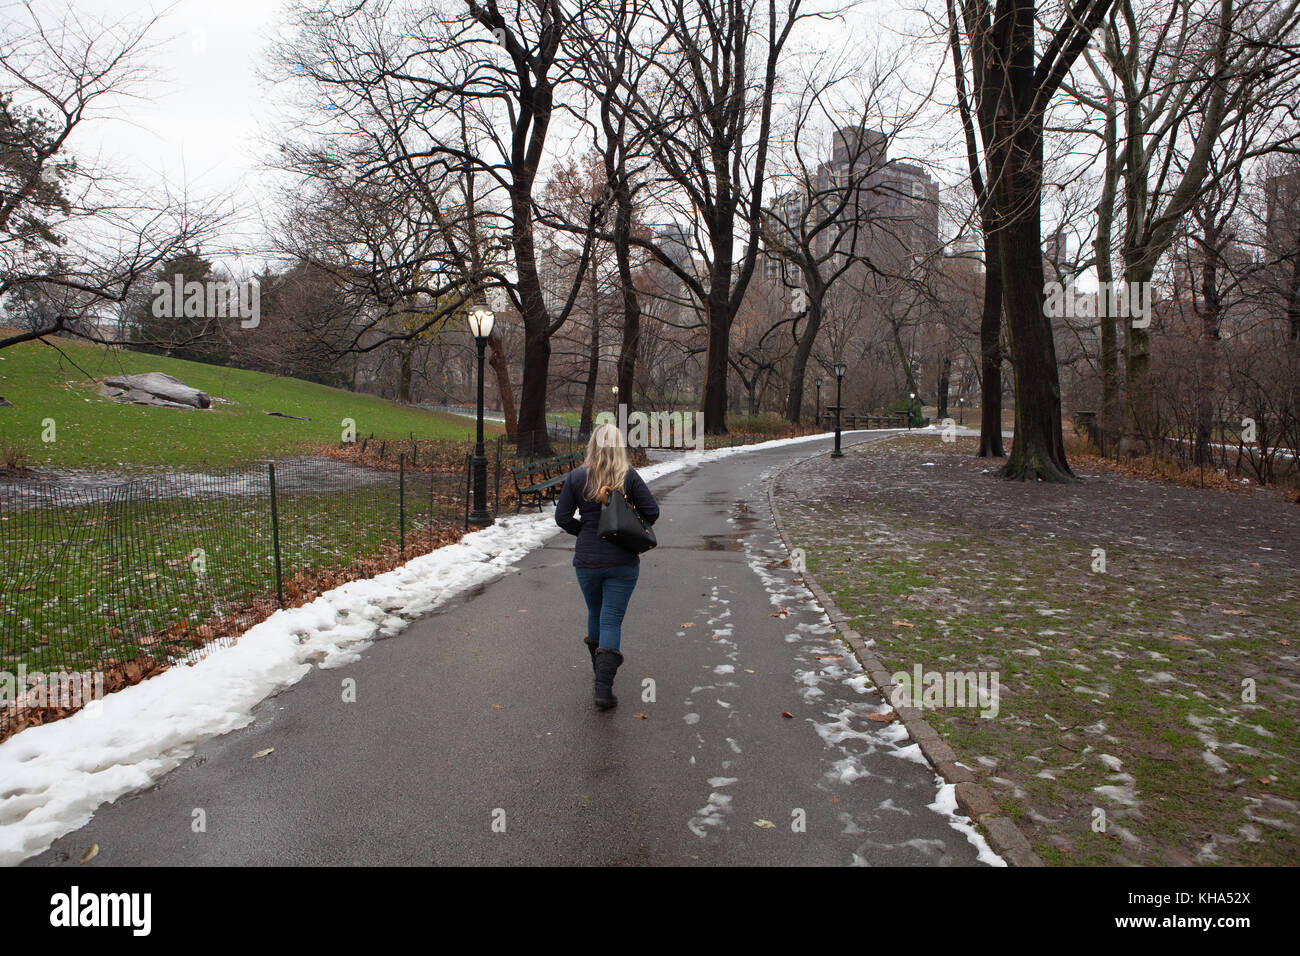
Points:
x=976, y=802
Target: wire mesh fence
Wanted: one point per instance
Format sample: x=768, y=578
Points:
x=104, y=584
x=108, y=581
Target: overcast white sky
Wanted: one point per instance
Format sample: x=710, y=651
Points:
x=202, y=122
x=206, y=120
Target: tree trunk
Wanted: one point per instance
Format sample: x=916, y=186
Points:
x=991, y=352
x=593, y=365
x=532, y=440
x=1112, y=414
x=627, y=353
x=502, y=371
x=1038, y=449
x=1139, y=406
x=1111, y=417
x=714, y=402
x=941, y=400
x=404, y=373
x=1207, y=354
x=794, y=402
x=905, y=361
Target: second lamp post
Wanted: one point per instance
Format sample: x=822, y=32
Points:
x=840, y=369
x=480, y=326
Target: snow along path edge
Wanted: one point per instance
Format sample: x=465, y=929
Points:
x=54, y=776
x=977, y=803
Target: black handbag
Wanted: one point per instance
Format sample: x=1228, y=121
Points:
x=620, y=524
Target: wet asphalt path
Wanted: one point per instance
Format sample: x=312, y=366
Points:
x=473, y=739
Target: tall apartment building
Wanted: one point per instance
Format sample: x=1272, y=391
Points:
x=891, y=216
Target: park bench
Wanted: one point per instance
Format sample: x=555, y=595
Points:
x=540, y=480
x=851, y=421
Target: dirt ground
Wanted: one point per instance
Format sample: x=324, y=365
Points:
x=1144, y=636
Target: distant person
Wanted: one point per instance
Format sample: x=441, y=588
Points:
x=606, y=572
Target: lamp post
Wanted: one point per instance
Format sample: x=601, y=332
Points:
x=480, y=326
x=911, y=408
x=840, y=369
x=961, y=410
x=819, y=403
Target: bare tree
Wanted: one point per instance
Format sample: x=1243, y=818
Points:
x=705, y=114
x=837, y=211
x=1175, y=79
x=79, y=237
x=1002, y=103
x=459, y=97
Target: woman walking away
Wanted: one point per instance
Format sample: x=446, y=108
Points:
x=606, y=572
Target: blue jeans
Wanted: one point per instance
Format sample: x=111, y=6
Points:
x=607, y=591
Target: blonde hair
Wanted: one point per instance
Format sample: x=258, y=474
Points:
x=606, y=462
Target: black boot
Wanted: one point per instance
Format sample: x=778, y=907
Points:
x=606, y=665
x=591, y=648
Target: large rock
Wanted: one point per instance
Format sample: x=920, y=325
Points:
x=154, y=388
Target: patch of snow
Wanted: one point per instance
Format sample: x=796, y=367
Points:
x=1112, y=763
x=711, y=814
x=945, y=804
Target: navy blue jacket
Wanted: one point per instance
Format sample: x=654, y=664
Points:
x=590, y=550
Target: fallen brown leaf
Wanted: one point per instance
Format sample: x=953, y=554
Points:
x=91, y=852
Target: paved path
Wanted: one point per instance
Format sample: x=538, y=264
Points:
x=473, y=738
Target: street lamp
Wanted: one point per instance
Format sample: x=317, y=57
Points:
x=911, y=408
x=840, y=369
x=480, y=326
x=961, y=410
x=819, y=403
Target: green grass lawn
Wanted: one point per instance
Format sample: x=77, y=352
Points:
x=97, y=433
x=571, y=419
x=89, y=583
